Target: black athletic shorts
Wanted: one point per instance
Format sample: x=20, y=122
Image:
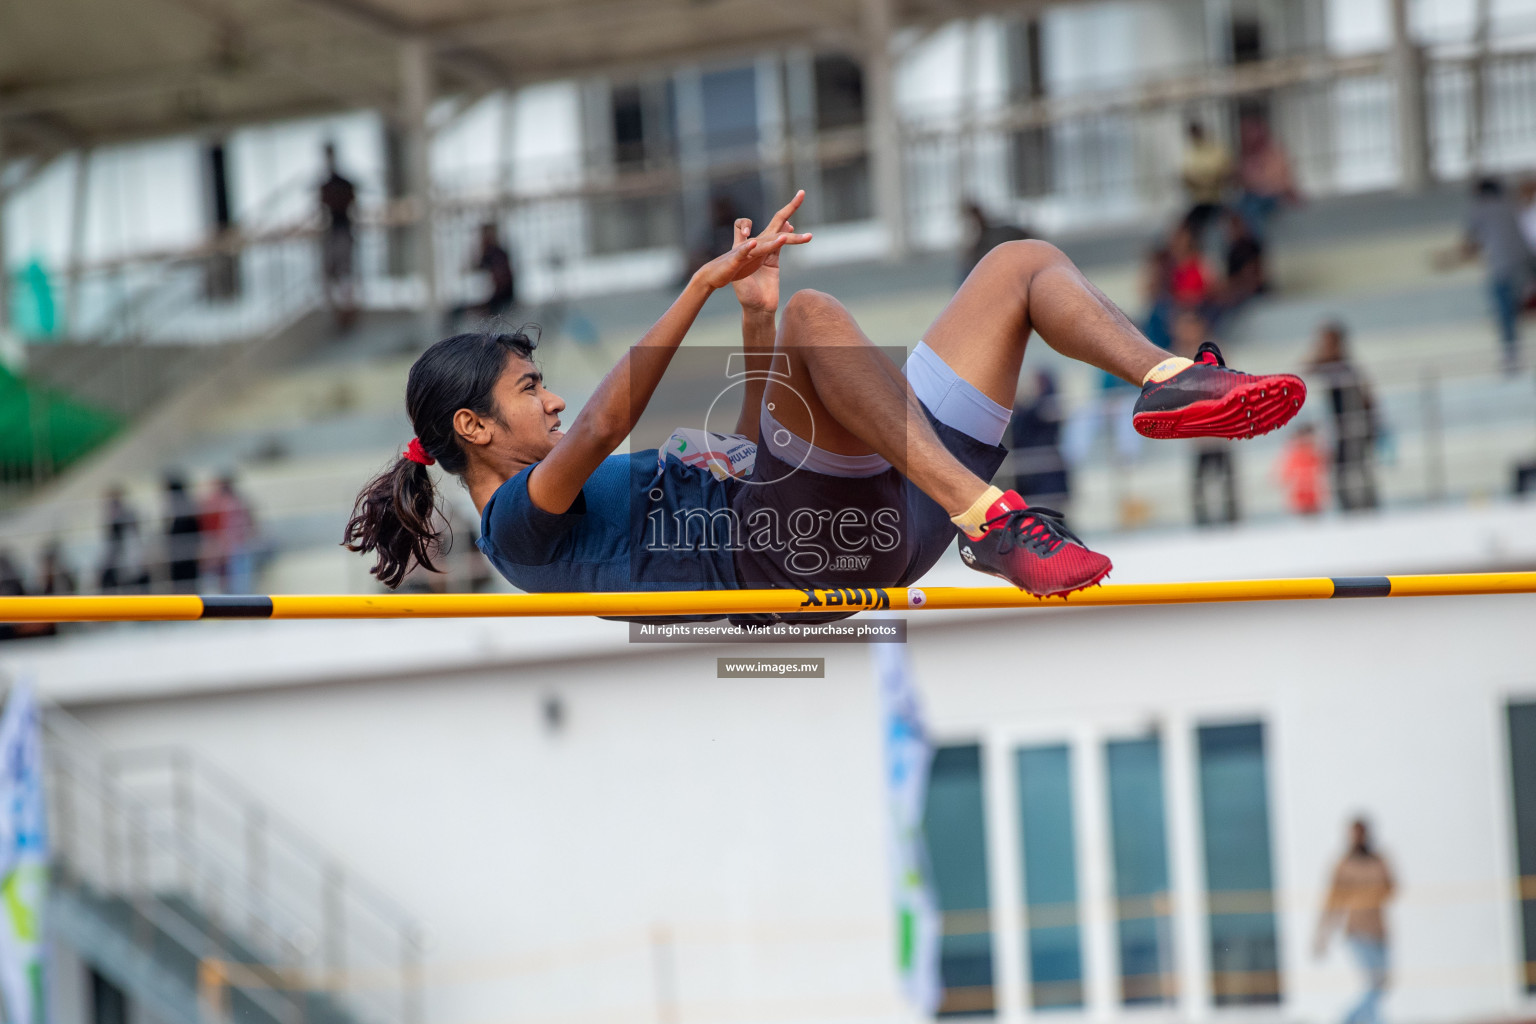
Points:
x=807, y=529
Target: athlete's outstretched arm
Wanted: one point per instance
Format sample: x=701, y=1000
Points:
x=620, y=399
x=758, y=294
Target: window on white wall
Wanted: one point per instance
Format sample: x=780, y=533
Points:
x=840, y=106
x=954, y=827
x=1031, y=147
x=1522, y=767
x=1139, y=855
x=1052, y=929
x=641, y=135
x=1239, y=875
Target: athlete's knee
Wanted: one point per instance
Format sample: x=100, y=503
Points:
x=1026, y=256
x=808, y=307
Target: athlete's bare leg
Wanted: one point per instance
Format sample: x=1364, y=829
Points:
x=861, y=402
x=858, y=401
x=1031, y=285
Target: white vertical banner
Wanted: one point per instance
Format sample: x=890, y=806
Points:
x=23, y=859
x=919, y=924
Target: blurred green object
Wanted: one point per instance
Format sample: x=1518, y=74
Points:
x=33, y=312
x=42, y=425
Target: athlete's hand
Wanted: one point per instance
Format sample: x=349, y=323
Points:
x=758, y=292
x=750, y=255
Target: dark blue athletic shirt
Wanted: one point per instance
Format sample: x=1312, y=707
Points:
x=607, y=539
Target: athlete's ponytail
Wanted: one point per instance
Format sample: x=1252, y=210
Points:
x=396, y=514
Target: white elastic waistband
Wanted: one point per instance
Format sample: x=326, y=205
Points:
x=793, y=450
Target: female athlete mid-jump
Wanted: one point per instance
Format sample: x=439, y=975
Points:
x=862, y=472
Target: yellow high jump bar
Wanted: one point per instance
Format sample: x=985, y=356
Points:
x=144, y=608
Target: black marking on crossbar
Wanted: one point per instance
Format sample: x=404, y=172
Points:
x=846, y=597
x=237, y=606
x=1362, y=586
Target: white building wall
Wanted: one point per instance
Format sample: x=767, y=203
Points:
x=732, y=830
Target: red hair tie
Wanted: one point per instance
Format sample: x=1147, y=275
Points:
x=417, y=454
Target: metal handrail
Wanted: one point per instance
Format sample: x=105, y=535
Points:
x=189, y=935
x=198, y=860
x=237, y=793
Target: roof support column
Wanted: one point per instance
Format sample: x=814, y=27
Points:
x=1408, y=69
x=79, y=209
x=415, y=100
x=1477, y=117
x=5, y=270
x=884, y=125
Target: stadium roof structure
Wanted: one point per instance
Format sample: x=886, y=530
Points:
x=82, y=72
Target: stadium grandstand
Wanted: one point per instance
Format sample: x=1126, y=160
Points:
x=565, y=820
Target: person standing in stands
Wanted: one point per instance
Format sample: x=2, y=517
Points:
x=1263, y=175
x=54, y=572
x=11, y=585
x=1040, y=472
x=183, y=536
x=1354, y=419
x=1303, y=472
x=1213, y=456
x=122, y=560
x=55, y=579
x=1246, y=274
x=228, y=533
x=338, y=202
x=1493, y=231
x=983, y=234
x=1362, y=886
x=1190, y=283
x=1528, y=216
x=1206, y=172
x=496, y=263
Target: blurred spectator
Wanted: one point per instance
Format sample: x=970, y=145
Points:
x=1246, y=275
x=1157, y=293
x=1361, y=887
x=228, y=536
x=1494, y=232
x=1354, y=419
x=1213, y=458
x=1111, y=407
x=496, y=263
x=1525, y=477
x=983, y=234
x=55, y=579
x=723, y=214
x=1303, y=471
x=183, y=536
x=1528, y=212
x=1206, y=171
x=11, y=585
x=122, y=561
x=1263, y=176
x=1040, y=472
x=1189, y=282
x=54, y=572
x=338, y=201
